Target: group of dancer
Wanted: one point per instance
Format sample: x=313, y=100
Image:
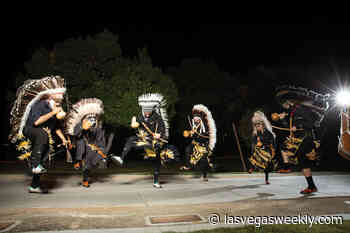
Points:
x=38, y=112
x=303, y=112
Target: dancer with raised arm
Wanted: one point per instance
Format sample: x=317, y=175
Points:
x=34, y=117
x=152, y=133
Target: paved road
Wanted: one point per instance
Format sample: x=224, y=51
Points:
x=130, y=203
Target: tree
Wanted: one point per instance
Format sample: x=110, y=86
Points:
x=132, y=79
x=82, y=62
x=95, y=67
x=201, y=82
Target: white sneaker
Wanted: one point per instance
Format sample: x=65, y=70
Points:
x=118, y=159
x=157, y=185
x=39, y=169
x=36, y=190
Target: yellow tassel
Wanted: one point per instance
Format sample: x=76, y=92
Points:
x=24, y=156
x=150, y=153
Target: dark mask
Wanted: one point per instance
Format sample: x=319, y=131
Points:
x=92, y=120
x=147, y=116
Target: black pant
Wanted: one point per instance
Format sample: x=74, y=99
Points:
x=35, y=181
x=203, y=163
x=188, y=152
x=86, y=174
x=306, y=147
x=91, y=158
x=80, y=149
x=40, y=144
x=156, y=162
x=40, y=148
x=156, y=169
x=132, y=143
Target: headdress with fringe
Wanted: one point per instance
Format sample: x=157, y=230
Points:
x=260, y=117
x=303, y=96
x=155, y=102
x=207, y=118
x=316, y=102
x=81, y=109
x=27, y=95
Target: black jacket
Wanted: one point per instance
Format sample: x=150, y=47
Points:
x=39, y=109
x=153, y=122
x=302, y=118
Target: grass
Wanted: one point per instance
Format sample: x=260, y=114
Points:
x=336, y=228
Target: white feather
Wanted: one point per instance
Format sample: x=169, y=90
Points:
x=260, y=117
x=151, y=100
x=211, y=124
x=81, y=109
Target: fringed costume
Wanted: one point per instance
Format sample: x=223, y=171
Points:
x=152, y=134
x=35, y=115
x=344, y=137
x=306, y=110
x=263, y=145
x=203, y=134
x=84, y=124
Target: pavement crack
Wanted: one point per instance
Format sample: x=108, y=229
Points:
x=142, y=197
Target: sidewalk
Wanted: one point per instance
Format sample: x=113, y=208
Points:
x=129, y=203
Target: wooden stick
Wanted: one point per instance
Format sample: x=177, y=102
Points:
x=150, y=132
x=286, y=129
x=239, y=146
x=290, y=126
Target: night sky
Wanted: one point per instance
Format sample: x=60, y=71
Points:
x=234, y=47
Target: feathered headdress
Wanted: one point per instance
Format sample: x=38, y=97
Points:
x=303, y=96
x=27, y=95
x=81, y=109
x=155, y=101
x=260, y=117
x=207, y=118
x=316, y=102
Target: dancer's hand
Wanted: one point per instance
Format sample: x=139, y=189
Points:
x=191, y=133
x=156, y=135
x=56, y=109
x=60, y=115
x=69, y=145
x=134, y=123
x=283, y=115
x=293, y=129
x=86, y=124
